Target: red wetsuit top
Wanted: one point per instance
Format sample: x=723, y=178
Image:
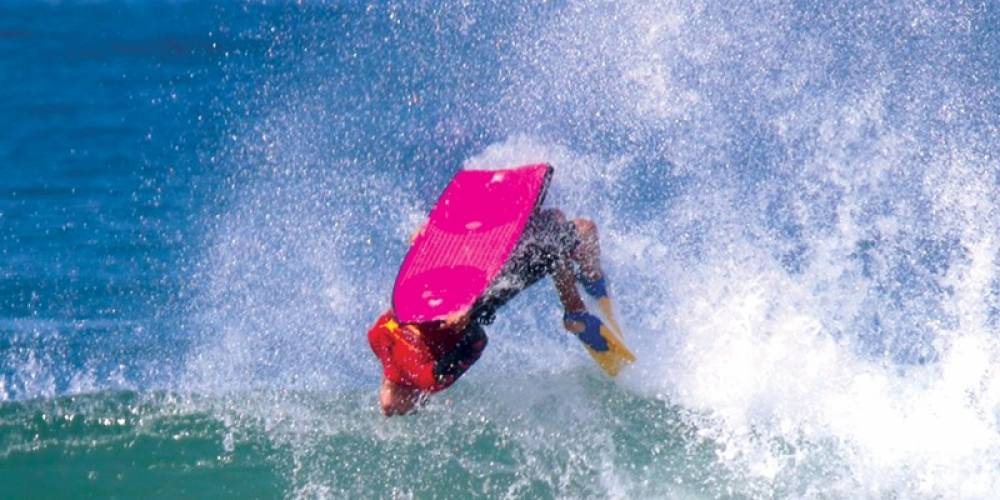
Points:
x=422, y=356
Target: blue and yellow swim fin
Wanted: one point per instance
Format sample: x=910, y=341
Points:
x=617, y=355
x=604, y=344
x=598, y=290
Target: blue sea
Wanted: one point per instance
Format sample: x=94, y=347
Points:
x=203, y=206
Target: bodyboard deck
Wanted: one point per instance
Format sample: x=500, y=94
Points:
x=469, y=236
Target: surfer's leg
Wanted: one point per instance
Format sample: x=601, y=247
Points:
x=545, y=245
x=572, y=303
x=565, y=283
x=558, y=240
x=587, y=253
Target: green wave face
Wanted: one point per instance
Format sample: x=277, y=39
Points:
x=279, y=444
x=128, y=445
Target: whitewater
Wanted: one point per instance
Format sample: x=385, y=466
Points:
x=797, y=203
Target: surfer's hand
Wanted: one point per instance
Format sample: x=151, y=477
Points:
x=420, y=230
x=456, y=321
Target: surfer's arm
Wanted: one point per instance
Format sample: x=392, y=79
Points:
x=434, y=376
x=463, y=355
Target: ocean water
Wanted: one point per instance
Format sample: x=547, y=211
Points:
x=203, y=206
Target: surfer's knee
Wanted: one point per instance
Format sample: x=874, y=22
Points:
x=586, y=229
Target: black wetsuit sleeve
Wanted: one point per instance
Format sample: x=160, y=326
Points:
x=465, y=353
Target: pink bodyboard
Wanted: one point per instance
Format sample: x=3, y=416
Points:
x=469, y=235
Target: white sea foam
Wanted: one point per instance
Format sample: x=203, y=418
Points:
x=798, y=216
x=828, y=308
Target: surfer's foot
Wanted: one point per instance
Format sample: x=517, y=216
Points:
x=587, y=328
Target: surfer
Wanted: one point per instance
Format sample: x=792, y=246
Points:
x=421, y=359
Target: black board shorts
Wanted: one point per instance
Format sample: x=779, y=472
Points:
x=548, y=240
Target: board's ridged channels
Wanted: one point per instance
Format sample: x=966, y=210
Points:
x=471, y=232
x=450, y=245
